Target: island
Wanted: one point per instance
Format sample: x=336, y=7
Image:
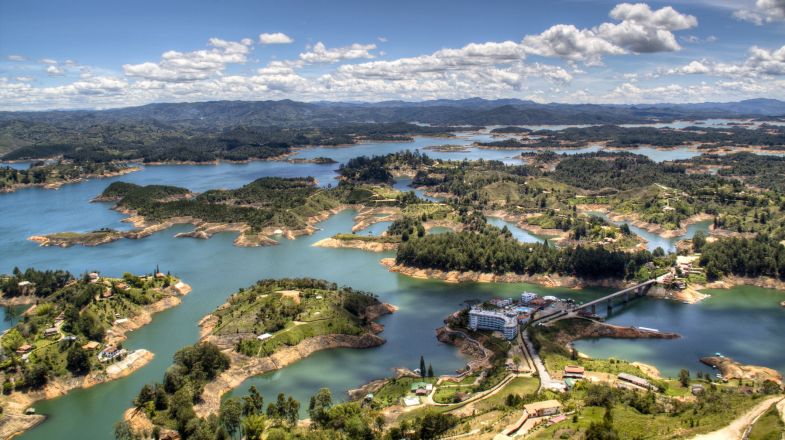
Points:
x=72, y=335
x=52, y=175
x=264, y=327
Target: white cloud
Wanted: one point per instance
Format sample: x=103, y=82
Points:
x=48, y=61
x=319, y=53
x=53, y=70
x=639, y=30
x=275, y=38
x=382, y=39
x=16, y=58
x=191, y=66
x=765, y=11
x=760, y=63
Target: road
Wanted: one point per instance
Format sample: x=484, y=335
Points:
x=737, y=428
x=546, y=383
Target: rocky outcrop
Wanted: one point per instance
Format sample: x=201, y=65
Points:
x=730, y=369
x=690, y=295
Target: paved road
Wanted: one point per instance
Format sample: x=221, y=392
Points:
x=546, y=383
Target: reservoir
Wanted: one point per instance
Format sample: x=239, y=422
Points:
x=215, y=268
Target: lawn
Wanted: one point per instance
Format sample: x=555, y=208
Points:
x=520, y=385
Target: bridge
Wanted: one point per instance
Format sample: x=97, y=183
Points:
x=635, y=291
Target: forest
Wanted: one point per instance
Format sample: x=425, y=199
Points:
x=493, y=252
x=40, y=173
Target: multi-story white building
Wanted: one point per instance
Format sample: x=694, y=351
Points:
x=527, y=297
x=504, y=322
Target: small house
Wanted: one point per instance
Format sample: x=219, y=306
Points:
x=91, y=345
x=411, y=401
x=24, y=348
x=628, y=379
x=697, y=389
x=51, y=331
x=573, y=372
x=543, y=409
x=264, y=336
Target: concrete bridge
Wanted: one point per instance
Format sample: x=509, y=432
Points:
x=625, y=295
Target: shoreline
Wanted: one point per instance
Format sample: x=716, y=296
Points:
x=202, y=230
x=243, y=367
x=57, y=185
x=653, y=228
x=17, y=402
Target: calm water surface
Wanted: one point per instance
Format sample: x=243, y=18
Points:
x=216, y=268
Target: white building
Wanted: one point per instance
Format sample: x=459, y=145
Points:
x=504, y=322
x=527, y=297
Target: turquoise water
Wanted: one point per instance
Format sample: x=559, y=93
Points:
x=216, y=268
x=518, y=233
x=653, y=241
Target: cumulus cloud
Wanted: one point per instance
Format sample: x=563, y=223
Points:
x=54, y=70
x=275, y=38
x=191, y=66
x=639, y=30
x=760, y=63
x=319, y=53
x=765, y=11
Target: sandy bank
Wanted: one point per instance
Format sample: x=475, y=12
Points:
x=365, y=245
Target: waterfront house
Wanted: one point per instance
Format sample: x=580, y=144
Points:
x=573, y=372
x=543, y=409
x=628, y=379
x=111, y=353
x=527, y=297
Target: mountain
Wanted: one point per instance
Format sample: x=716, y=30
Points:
x=472, y=111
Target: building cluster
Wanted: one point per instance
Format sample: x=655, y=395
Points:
x=505, y=314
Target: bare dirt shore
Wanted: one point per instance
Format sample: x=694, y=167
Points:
x=365, y=245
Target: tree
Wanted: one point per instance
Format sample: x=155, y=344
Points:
x=422, y=366
x=771, y=387
x=122, y=431
x=253, y=403
x=603, y=430
x=625, y=229
x=698, y=241
x=430, y=370
x=78, y=360
x=231, y=414
x=146, y=394
x=254, y=426
x=36, y=375
x=319, y=404
x=684, y=377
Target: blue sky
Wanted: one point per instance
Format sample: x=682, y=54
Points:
x=90, y=54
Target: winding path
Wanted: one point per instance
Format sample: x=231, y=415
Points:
x=737, y=428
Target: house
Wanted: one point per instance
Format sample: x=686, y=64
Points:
x=107, y=293
x=421, y=392
x=419, y=385
x=93, y=277
x=111, y=353
x=628, y=379
x=121, y=286
x=543, y=409
x=264, y=336
x=51, y=331
x=573, y=372
x=25, y=284
x=24, y=348
x=91, y=345
x=697, y=389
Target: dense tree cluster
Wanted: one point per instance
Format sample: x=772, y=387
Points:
x=43, y=282
x=761, y=256
x=40, y=173
x=494, y=253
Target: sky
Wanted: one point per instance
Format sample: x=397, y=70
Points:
x=99, y=54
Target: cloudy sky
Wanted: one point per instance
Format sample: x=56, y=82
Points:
x=99, y=54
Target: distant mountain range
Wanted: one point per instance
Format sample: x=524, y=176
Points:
x=472, y=111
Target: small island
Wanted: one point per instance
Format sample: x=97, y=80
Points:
x=72, y=334
x=54, y=174
x=264, y=327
